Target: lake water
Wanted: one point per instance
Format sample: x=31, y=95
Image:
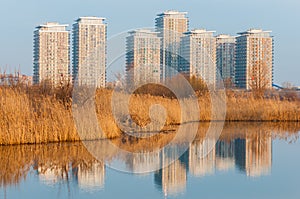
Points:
x=250, y=160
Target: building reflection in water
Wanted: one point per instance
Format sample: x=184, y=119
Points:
x=225, y=155
x=248, y=152
x=143, y=161
x=172, y=178
x=199, y=164
x=254, y=155
x=51, y=175
x=90, y=177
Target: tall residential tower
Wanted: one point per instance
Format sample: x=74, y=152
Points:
x=51, y=54
x=170, y=25
x=89, y=51
x=142, y=57
x=254, y=60
x=226, y=58
x=198, y=52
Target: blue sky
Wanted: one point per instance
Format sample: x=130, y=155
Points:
x=19, y=17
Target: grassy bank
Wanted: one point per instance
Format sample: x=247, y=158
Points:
x=42, y=115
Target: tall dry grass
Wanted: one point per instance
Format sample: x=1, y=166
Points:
x=248, y=107
x=41, y=114
x=30, y=116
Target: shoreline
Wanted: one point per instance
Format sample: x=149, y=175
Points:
x=171, y=131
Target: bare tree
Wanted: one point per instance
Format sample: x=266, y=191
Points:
x=287, y=85
x=260, y=78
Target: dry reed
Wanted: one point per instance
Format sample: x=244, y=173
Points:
x=40, y=114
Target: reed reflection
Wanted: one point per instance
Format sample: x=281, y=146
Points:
x=246, y=147
x=52, y=164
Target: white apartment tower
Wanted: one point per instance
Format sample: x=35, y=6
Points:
x=89, y=51
x=254, y=60
x=226, y=57
x=51, y=58
x=142, y=57
x=198, y=55
x=170, y=25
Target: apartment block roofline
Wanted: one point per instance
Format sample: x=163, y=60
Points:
x=148, y=31
x=225, y=36
x=91, y=18
x=51, y=25
x=254, y=31
x=171, y=12
x=199, y=31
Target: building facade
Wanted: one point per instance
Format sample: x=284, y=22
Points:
x=142, y=57
x=198, y=55
x=51, y=60
x=89, y=51
x=225, y=56
x=170, y=25
x=254, y=60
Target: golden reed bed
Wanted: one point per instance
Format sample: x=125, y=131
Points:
x=42, y=114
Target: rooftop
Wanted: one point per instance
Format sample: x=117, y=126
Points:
x=224, y=36
x=90, y=18
x=172, y=12
x=254, y=31
x=143, y=31
x=51, y=25
x=199, y=31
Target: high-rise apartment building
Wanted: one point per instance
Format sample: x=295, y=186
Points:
x=170, y=25
x=198, y=55
x=142, y=57
x=254, y=60
x=226, y=57
x=89, y=51
x=51, y=58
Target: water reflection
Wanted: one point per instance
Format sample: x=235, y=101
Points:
x=90, y=177
x=172, y=179
x=254, y=155
x=242, y=146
